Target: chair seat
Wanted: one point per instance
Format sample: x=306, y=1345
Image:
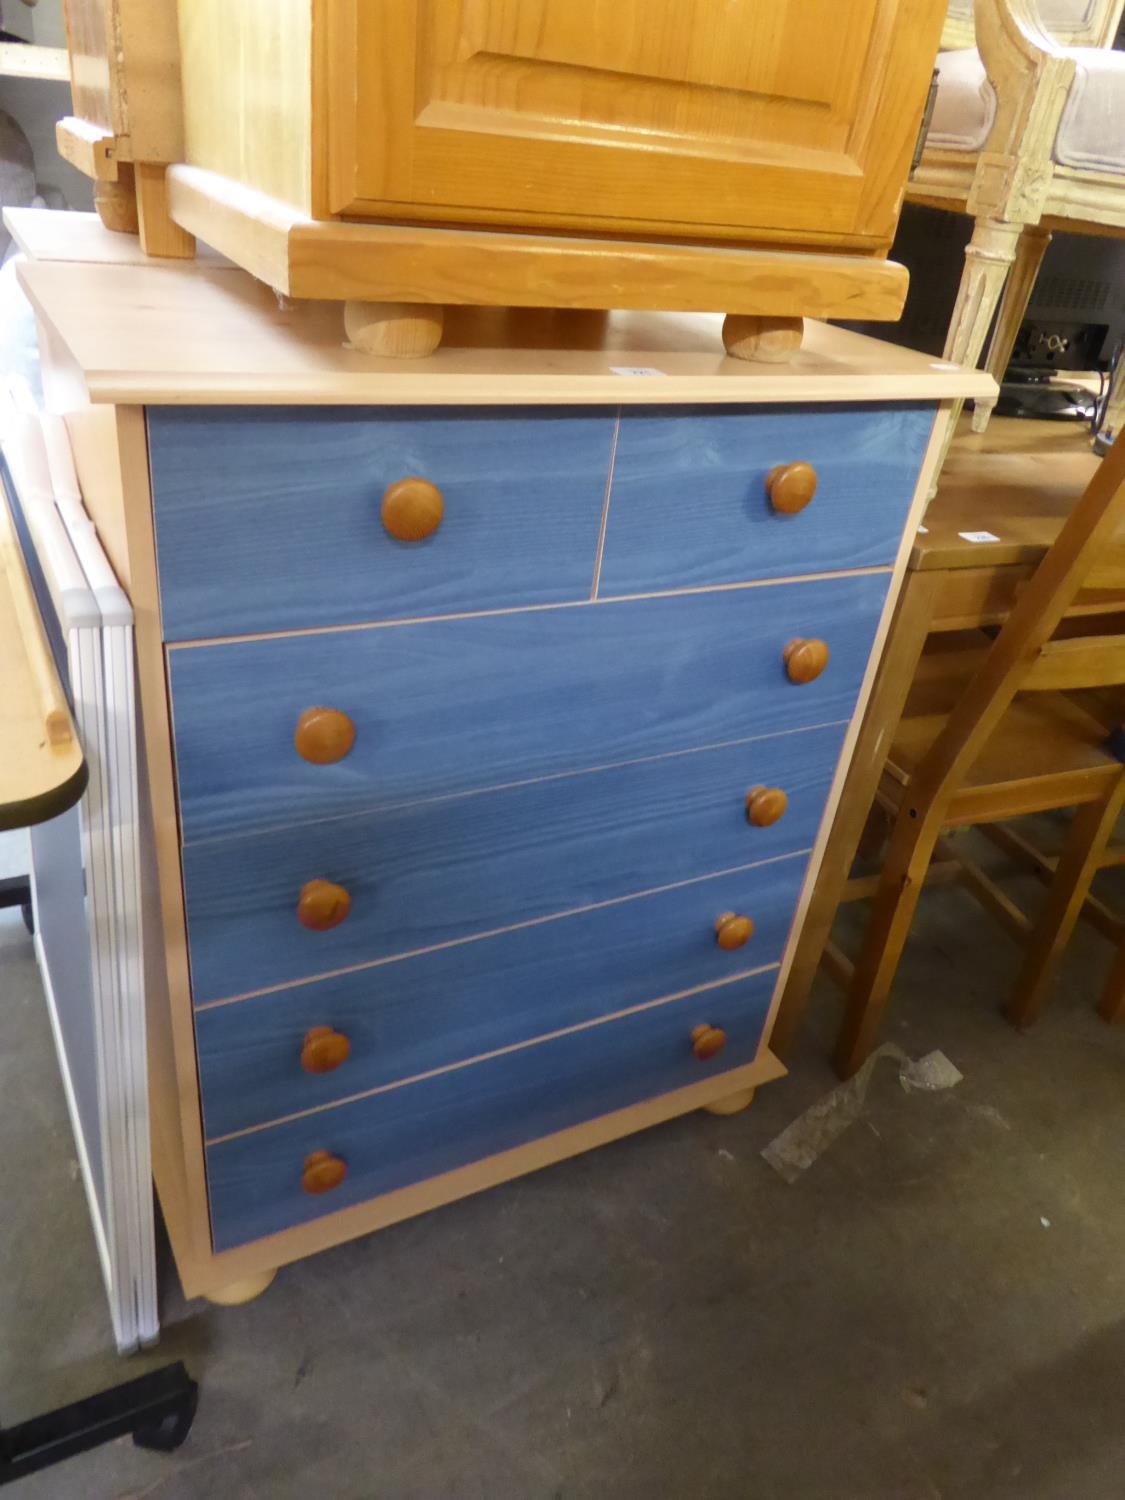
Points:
x=1042, y=737
x=1091, y=133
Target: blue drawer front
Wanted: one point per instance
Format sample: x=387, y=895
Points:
x=423, y=1129
x=454, y=705
x=436, y=872
x=688, y=504
x=269, y=519
x=406, y=1018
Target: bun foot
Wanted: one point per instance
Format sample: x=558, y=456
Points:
x=732, y=1104
x=116, y=203
x=771, y=341
x=397, y=330
x=238, y=1292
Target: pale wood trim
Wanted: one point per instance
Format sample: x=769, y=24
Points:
x=25, y=60
x=177, y=1127
x=202, y=1273
x=160, y=235
x=857, y=773
x=304, y=257
x=89, y=147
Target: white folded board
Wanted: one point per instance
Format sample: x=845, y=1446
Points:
x=86, y=869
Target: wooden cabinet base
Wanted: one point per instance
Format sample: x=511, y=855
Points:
x=732, y=1104
x=396, y=267
x=237, y=1292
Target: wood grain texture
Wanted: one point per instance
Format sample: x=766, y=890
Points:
x=423, y=264
x=678, y=116
x=442, y=706
x=445, y=1007
x=424, y=1129
x=197, y=335
x=159, y=234
x=689, y=503
x=440, y=871
x=247, y=92
x=270, y=520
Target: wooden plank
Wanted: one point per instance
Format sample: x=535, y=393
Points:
x=35, y=231
x=1080, y=662
x=247, y=93
x=24, y=60
x=198, y=336
x=89, y=147
x=452, y=1005
x=270, y=520
x=399, y=263
x=689, y=504
x=465, y=719
x=422, y=1130
x=461, y=867
x=991, y=896
x=160, y=235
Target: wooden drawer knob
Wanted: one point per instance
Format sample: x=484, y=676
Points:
x=323, y=1172
x=765, y=805
x=733, y=931
x=323, y=735
x=805, y=660
x=412, y=508
x=791, y=487
x=707, y=1040
x=322, y=905
x=324, y=1050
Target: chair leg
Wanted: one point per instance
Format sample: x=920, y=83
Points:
x=1111, y=1008
x=988, y=258
x=904, y=874
x=1090, y=831
x=1017, y=294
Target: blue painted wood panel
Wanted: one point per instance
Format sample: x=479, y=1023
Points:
x=434, y=872
x=688, y=504
x=417, y=1014
x=423, y=1129
x=453, y=705
x=268, y=519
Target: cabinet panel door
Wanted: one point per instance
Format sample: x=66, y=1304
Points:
x=725, y=117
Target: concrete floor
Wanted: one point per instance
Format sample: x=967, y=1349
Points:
x=935, y=1310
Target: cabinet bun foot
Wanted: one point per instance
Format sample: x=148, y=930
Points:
x=237, y=1292
x=732, y=1104
x=398, y=330
x=771, y=341
x=116, y=203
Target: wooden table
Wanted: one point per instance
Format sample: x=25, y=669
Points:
x=1001, y=502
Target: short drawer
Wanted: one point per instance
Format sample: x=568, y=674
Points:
x=405, y=1018
x=439, y=871
x=419, y=1130
x=270, y=519
x=448, y=706
x=689, y=503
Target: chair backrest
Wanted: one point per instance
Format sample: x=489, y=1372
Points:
x=1026, y=655
x=1072, y=23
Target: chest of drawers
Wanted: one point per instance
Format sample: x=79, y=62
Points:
x=492, y=716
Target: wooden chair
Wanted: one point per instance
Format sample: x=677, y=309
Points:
x=970, y=751
x=1027, y=136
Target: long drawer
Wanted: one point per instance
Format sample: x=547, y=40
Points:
x=419, y=1130
x=689, y=503
x=456, y=705
x=439, y=871
x=270, y=519
x=400, y=1019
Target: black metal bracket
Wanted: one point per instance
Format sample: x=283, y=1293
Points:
x=158, y=1410
x=16, y=891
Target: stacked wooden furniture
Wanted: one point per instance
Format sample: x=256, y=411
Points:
x=416, y=154
x=493, y=708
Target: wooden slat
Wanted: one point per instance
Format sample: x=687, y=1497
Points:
x=1095, y=910
x=988, y=893
x=1081, y=662
x=836, y=964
